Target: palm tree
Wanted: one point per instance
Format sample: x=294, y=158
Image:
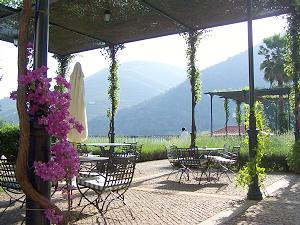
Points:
x=273, y=49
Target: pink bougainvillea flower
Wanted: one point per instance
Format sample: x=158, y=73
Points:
x=52, y=216
x=51, y=109
x=13, y=95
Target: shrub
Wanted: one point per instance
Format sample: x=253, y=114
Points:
x=294, y=157
x=9, y=140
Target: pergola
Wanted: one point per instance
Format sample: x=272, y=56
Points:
x=77, y=25
x=243, y=96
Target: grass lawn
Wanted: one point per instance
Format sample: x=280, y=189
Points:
x=154, y=148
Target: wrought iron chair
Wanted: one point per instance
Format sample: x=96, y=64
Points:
x=9, y=183
x=134, y=148
x=225, y=160
x=82, y=149
x=191, y=160
x=172, y=155
x=108, y=186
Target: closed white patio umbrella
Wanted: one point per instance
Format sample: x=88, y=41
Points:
x=77, y=107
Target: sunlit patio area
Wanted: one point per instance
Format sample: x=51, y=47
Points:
x=53, y=171
x=156, y=199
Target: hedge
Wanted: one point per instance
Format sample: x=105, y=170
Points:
x=9, y=140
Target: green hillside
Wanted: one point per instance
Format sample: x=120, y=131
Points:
x=139, y=81
x=147, y=104
x=167, y=113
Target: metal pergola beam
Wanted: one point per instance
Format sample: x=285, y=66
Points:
x=15, y=11
x=83, y=34
x=165, y=14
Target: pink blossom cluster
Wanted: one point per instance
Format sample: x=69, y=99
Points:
x=51, y=108
x=54, y=217
x=63, y=165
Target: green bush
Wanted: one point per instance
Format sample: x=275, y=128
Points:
x=9, y=140
x=294, y=157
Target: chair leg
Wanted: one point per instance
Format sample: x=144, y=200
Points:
x=225, y=170
x=122, y=199
x=12, y=201
x=173, y=171
x=94, y=202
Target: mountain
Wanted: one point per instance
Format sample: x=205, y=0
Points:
x=139, y=81
x=155, y=98
x=168, y=112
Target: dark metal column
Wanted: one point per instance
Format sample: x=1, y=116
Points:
x=211, y=114
x=39, y=139
x=254, y=191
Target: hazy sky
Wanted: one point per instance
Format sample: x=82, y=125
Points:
x=217, y=45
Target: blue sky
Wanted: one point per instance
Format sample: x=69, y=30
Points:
x=217, y=45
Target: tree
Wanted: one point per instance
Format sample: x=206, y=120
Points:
x=273, y=49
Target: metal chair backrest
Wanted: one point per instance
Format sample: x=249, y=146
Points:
x=120, y=171
x=189, y=157
x=134, y=149
x=8, y=180
x=172, y=154
x=82, y=149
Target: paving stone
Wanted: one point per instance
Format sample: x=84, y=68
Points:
x=156, y=200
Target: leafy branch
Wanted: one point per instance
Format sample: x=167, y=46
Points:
x=253, y=167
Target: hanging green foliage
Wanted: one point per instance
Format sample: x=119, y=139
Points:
x=238, y=115
x=226, y=109
x=253, y=167
x=192, y=39
x=12, y=3
x=292, y=68
x=63, y=63
x=110, y=54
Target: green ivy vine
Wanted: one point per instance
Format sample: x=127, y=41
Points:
x=110, y=53
x=292, y=68
x=192, y=39
x=226, y=109
x=238, y=115
x=253, y=167
x=63, y=63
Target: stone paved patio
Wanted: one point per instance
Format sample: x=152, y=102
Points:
x=155, y=199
